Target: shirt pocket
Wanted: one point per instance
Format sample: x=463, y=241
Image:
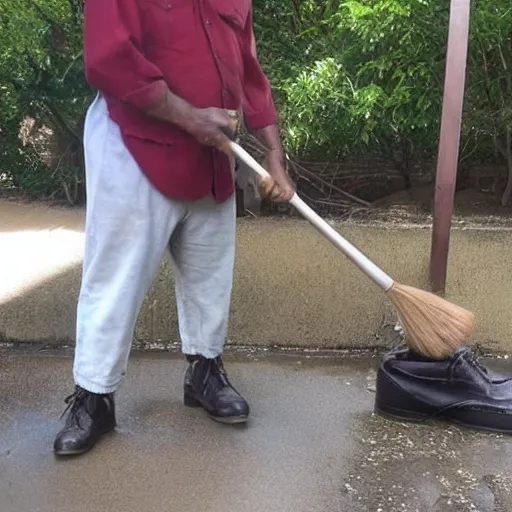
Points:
x=167, y=23
x=233, y=12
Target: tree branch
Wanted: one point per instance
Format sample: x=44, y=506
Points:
x=296, y=8
x=327, y=184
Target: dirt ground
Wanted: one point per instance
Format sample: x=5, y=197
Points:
x=472, y=209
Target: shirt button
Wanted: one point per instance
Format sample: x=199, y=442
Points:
x=207, y=23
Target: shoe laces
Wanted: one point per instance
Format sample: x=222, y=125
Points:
x=74, y=402
x=218, y=372
x=469, y=357
x=473, y=360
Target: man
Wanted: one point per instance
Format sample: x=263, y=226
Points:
x=168, y=72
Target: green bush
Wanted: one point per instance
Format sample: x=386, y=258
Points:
x=42, y=79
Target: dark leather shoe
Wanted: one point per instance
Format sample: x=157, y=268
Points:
x=207, y=386
x=89, y=417
x=459, y=390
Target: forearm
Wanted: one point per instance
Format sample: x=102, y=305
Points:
x=271, y=138
x=204, y=124
x=172, y=109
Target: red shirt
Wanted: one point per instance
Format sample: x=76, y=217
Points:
x=204, y=51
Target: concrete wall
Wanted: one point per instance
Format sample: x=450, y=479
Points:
x=291, y=286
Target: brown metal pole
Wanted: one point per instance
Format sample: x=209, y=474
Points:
x=448, y=155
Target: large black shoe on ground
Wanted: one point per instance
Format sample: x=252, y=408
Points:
x=207, y=386
x=89, y=416
x=459, y=390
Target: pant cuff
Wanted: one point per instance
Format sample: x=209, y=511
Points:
x=208, y=352
x=93, y=387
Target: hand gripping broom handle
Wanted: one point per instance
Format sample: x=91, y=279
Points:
x=356, y=256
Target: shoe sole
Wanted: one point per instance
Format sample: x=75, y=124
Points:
x=68, y=453
x=231, y=420
x=237, y=420
x=394, y=413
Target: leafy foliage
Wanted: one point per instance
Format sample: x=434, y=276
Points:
x=41, y=79
x=488, y=106
x=365, y=78
x=353, y=79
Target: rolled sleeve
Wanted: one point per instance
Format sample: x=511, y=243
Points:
x=258, y=120
x=114, y=63
x=148, y=96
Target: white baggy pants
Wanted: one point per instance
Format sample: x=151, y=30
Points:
x=129, y=226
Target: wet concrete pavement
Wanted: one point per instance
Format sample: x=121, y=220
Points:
x=312, y=444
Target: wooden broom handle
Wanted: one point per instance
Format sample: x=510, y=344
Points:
x=356, y=256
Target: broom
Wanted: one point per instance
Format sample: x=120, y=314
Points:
x=434, y=327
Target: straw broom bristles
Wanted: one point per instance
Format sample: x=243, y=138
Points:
x=433, y=326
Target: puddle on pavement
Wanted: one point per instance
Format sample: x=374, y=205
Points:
x=429, y=467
